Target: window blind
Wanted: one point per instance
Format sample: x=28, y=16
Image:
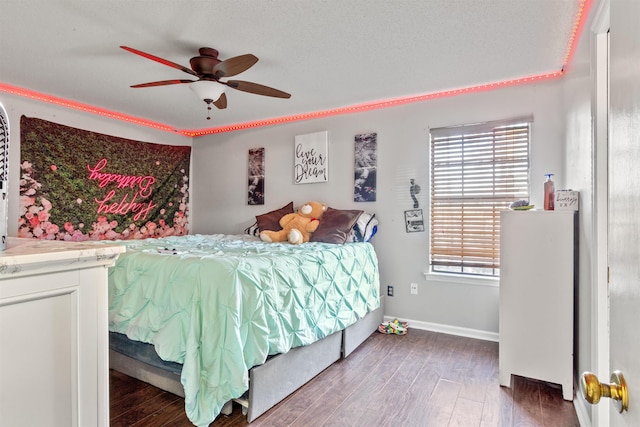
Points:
x=476, y=171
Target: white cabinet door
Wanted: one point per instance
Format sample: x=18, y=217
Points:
x=53, y=364
x=54, y=367
x=536, y=297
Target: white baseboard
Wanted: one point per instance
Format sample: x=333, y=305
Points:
x=448, y=329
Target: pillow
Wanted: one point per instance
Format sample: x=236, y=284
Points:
x=335, y=226
x=252, y=230
x=364, y=229
x=271, y=220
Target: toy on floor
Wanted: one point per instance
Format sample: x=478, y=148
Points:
x=395, y=327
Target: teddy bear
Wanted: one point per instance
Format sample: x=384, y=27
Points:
x=297, y=227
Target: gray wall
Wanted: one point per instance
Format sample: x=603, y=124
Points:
x=459, y=306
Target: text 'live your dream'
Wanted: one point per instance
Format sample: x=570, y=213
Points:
x=309, y=165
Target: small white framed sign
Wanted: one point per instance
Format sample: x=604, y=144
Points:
x=413, y=220
x=311, y=161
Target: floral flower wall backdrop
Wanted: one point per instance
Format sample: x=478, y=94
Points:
x=79, y=185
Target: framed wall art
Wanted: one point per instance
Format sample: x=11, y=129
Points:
x=365, y=167
x=311, y=161
x=413, y=220
x=255, y=166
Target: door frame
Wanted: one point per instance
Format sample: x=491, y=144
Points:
x=600, y=352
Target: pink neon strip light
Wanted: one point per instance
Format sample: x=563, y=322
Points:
x=370, y=106
x=27, y=93
x=576, y=31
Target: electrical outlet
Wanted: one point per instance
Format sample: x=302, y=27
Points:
x=390, y=291
x=414, y=289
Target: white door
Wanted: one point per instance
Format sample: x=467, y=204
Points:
x=624, y=203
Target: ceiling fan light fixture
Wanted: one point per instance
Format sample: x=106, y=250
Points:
x=207, y=90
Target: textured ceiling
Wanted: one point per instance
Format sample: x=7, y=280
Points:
x=327, y=53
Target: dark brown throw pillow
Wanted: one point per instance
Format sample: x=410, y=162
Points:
x=271, y=220
x=335, y=226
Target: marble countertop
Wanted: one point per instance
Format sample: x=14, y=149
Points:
x=30, y=256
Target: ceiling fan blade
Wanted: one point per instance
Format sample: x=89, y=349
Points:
x=236, y=65
x=163, y=83
x=221, y=103
x=256, y=88
x=160, y=60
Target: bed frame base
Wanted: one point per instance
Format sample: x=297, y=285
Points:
x=285, y=373
x=357, y=333
x=164, y=380
x=272, y=381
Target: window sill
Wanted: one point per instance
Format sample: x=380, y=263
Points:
x=462, y=279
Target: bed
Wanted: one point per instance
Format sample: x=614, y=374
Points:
x=232, y=317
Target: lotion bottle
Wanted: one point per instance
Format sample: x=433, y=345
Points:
x=549, y=193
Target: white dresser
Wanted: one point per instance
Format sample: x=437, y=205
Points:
x=54, y=368
x=536, y=296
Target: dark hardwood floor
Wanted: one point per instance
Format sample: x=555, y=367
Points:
x=419, y=379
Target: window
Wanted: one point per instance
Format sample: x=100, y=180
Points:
x=476, y=171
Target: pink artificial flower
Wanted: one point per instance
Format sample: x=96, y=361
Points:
x=54, y=168
x=26, y=201
x=25, y=233
x=79, y=237
x=51, y=228
x=46, y=204
x=34, y=221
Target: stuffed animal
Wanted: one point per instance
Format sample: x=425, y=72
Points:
x=297, y=227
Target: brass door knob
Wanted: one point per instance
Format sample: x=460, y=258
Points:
x=592, y=390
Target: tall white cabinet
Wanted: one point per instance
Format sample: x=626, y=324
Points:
x=54, y=367
x=536, y=296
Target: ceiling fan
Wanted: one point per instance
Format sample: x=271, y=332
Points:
x=209, y=70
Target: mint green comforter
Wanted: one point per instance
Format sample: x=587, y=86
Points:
x=220, y=305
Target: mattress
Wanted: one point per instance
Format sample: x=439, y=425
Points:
x=219, y=305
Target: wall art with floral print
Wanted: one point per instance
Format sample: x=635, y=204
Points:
x=79, y=185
